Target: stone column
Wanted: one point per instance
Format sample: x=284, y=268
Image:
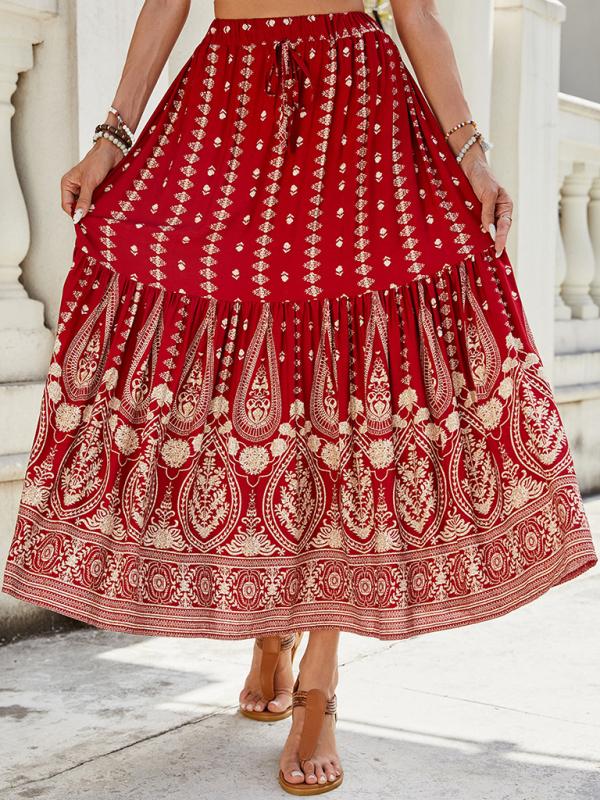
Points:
x=594, y=221
x=525, y=132
x=579, y=254
x=24, y=341
x=561, y=309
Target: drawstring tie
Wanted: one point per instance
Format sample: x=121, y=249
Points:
x=288, y=73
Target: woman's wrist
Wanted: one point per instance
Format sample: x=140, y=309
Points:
x=107, y=148
x=467, y=144
x=474, y=159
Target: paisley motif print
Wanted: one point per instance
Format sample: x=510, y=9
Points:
x=86, y=355
x=377, y=386
x=294, y=498
x=140, y=376
x=82, y=476
x=436, y=375
x=420, y=488
x=484, y=356
x=257, y=403
x=292, y=386
x=210, y=501
x=357, y=499
x=197, y=380
x=324, y=411
x=476, y=476
x=537, y=430
x=140, y=488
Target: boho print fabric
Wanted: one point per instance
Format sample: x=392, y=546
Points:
x=292, y=385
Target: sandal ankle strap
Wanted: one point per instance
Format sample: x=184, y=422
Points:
x=299, y=699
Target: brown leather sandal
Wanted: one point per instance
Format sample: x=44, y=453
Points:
x=272, y=647
x=316, y=707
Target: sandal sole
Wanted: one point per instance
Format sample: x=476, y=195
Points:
x=267, y=716
x=306, y=789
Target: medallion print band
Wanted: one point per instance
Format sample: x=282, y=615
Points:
x=292, y=386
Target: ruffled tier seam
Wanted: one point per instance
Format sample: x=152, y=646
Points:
x=304, y=304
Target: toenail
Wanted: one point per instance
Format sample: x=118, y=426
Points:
x=332, y=777
x=297, y=774
x=322, y=779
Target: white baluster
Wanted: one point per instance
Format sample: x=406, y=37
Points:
x=24, y=341
x=594, y=222
x=578, y=245
x=561, y=309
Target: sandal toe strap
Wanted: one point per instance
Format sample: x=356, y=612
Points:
x=271, y=647
x=316, y=706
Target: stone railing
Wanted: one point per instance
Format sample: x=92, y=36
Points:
x=577, y=304
x=578, y=256
x=577, y=285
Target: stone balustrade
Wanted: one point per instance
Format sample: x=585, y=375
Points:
x=577, y=281
x=578, y=262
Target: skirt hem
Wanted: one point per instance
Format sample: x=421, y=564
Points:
x=577, y=557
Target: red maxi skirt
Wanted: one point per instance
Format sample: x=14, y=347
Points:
x=292, y=386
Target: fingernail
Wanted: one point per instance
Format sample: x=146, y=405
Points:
x=77, y=215
x=498, y=254
x=492, y=230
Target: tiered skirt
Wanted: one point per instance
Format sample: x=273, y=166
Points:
x=292, y=386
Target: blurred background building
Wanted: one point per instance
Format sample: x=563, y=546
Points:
x=531, y=71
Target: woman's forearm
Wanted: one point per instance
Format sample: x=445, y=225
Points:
x=430, y=51
x=157, y=28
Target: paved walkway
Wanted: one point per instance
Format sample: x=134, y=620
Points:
x=504, y=710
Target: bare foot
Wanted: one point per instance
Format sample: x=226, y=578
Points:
x=325, y=764
x=251, y=698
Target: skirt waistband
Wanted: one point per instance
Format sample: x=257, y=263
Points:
x=256, y=30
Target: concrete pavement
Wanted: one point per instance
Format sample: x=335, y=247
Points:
x=503, y=710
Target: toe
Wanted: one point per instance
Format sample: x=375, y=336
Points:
x=280, y=703
x=256, y=703
x=244, y=696
x=321, y=777
x=292, y=773
x=309, y=772
x=330, y=771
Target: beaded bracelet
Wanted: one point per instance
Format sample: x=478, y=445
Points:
x=112, y=137
x=467, y=146
x=459, y=127
x=122, y=124
x=120, y=134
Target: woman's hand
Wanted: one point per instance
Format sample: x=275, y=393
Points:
x=497, y=206
x=157, y=28
x=78, y=184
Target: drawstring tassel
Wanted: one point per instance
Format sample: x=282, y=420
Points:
x=287, y=74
